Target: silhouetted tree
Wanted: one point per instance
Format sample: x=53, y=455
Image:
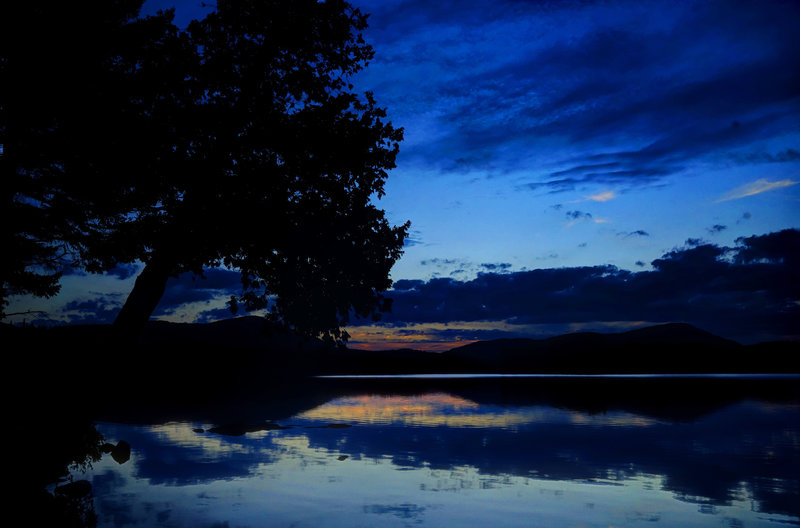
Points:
x=78, y=82
x=235, y=142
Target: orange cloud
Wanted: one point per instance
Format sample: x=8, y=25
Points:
x=753, y=188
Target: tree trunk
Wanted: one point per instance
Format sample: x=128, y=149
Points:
x=143, y=299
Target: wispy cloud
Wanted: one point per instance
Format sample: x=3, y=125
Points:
x=602, y=196
x=753, y=188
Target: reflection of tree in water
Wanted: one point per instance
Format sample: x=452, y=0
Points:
x=75, y=447
x=66, y=447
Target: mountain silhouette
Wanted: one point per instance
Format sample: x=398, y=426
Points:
x=667, y=348
x=244, y=354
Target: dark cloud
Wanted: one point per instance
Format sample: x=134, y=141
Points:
x=781, y=248
x=717, y=228
x=746, y=292
x=407, y=284
x=72, y=270
x=188, y=288
x=637, y=233
x=578, y=215
x=784, y=156
x=496, y=267
x=216, y=314
x=124, y=271
x=101, y=309
x=643, y=99
x=437, y=262
x=120, y=271
x=413, y=239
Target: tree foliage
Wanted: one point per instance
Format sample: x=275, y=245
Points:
x=237, y=141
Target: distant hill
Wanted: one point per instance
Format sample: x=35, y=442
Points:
x=668, y=348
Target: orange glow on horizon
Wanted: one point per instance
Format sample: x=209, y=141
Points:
x=440, y=337
x=379, y=338
x=425, y=346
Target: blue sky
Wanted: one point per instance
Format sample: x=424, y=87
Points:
x=562, y=135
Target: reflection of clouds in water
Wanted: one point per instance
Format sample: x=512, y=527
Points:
x=462, y=463
x=183, y=435
x=440, y=409
x=613, y=419
x=402, y=511
x=297, y=448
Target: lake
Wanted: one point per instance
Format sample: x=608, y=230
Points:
x=471, y=451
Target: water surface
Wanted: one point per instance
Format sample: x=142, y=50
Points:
x=457, y=454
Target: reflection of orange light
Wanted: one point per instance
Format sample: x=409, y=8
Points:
x=439, y=409
x=387, y=409
x=430, y=410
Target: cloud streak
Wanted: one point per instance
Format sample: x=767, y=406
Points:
x=754, y=188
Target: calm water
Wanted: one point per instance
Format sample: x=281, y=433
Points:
x=490, y=453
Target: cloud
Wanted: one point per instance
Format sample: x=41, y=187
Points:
x=640, y=98
x=496, y=267
x=407, y=284
x=574, y=217
x=717, y=228
x=785, y=156
x=740, y=292
x=754, y=188
x=437, y=262
x=215, y=314
x=125, y=271
x=604, y=196
x=413, y=239
x=100, y=309
x=121, y=271
x=188, y=288
x=637, y=233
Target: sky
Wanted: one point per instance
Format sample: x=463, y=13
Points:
x=566, y=166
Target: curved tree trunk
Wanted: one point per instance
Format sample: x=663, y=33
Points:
x=143, y=299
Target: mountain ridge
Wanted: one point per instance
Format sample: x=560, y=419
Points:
x=252, y=345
